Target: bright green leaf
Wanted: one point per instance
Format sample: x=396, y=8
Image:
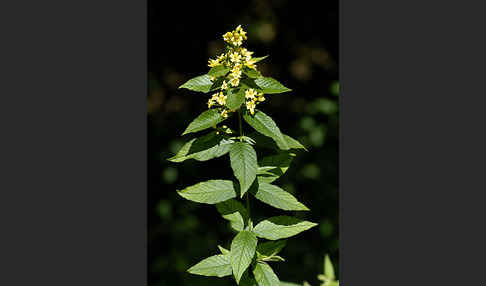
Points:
x=270, y=85
x=235, y=99
x=207, y=119
x=271, y=248
x=293, y=143
x=200, y=83
x=218, y=71
x=250, y=83
x=251, y=73
x=264, y=275
x=216, y=265
x=204, y=148
x=244, y=164
x=257, y=59
x=209, y=192
x=266, y=126
x=281, y=227
x=243, y=249
x=233, y=211
x=223, y=250
x=266, y=142
x=276, y=197
x=328, y=268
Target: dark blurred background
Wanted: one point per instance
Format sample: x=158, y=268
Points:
x=301, y=38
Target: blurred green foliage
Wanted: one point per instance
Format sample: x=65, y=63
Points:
x=303, y=43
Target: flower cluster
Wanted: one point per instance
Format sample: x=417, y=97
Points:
x=252, y=98
x=236, y=59
x=236, y=37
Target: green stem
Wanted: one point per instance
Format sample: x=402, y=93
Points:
x=241, y=126
x=241, y=140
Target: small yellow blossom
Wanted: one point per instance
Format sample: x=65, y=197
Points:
x=260, y=97
x=246, y=53
x=210, y=102
x=250, y=105
x=224, y=114
x=221, y=99
x=235, y=81
x=221, y=57
x=224, y=85
x=236, y=74
x=212, y=78
x=250, y=94
x=227, y=36
x=235, y=57
x=241, y=32
x=213, y=63
x=250, y=64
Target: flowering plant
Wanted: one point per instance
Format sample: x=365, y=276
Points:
x=239, y=87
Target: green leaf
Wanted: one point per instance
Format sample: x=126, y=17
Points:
x=200, y=83
x=207, y=119
x=223, y=250
x=244, y=164
x=277, y=164
x=243, y=249
x=293, y=144
x=281, y=227
x=218, y=71
x=276, y=197
x=264, y=275
x=216, y=265
x=209, y=192
x=328, y=268
x=233, y=211
x=204, y=148
x=271, y=248
x=266, y=126
x=266, y=142
x=251, y=73
x=235, y=99
x=250, y=83
x=270, y=85
x=256, y=60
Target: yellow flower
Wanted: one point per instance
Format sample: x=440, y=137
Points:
x=235, y=81
x=212, y=78
x=224, y=85
x=236, y=74
x=235, y=57
x=210, y=102
x=237, y=40
x=221, y=99
x=227, y=36
x=260, y=97
x=224, y=114
x=241, y=32
x=250, y=63
x=213, y=63
x=237, y=68
x=250, y=94
x=246, y=53
x=221, y=57
x=250, y=105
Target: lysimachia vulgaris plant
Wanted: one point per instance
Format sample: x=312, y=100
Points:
x=237, y=88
